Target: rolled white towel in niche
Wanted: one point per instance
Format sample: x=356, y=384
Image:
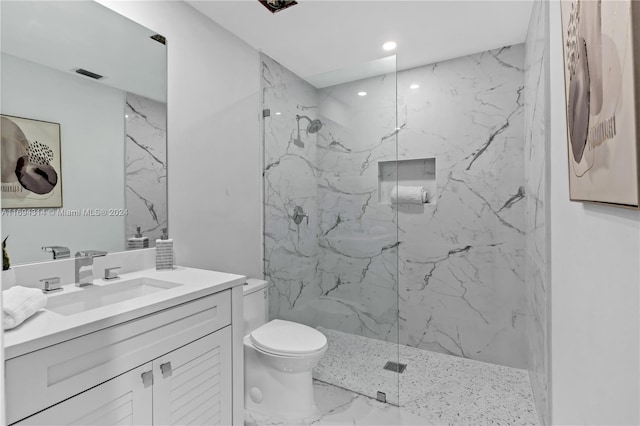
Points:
x=409, y=195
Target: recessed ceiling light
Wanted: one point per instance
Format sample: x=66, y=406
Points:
x=362, y=93
x=390, y=45
x=414, y=86
x=278, y=113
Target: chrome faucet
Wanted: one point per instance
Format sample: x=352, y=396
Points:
x=59, y=252
x=84, y=266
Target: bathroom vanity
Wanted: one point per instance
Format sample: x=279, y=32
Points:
x=152, y=347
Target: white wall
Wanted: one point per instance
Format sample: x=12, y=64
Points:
x=91, y=118
x=214, y=163
x=595, y=291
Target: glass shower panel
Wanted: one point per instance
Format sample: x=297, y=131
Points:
x=330, y=229
x=290, y=184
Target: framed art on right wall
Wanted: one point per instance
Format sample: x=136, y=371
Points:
x=602, y=93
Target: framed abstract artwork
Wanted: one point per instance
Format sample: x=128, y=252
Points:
x=31, y=165
x=602, y=93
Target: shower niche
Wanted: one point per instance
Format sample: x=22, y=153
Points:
x=419, y=172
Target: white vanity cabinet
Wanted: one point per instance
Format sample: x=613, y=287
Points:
x=184, y=387
x=170, y=367
x=125, y=399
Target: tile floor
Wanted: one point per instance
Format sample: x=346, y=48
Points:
x=338, y=406
x=435, y=389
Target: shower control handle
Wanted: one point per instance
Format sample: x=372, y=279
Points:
x=298, y=215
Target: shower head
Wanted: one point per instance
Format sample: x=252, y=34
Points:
x=314, y=125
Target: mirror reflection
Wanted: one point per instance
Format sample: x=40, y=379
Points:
x=83, y=130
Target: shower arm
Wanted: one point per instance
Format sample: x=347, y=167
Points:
x=298, y=117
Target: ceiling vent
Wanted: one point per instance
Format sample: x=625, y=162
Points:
x=88, y=73
x=277, y=5
x=160, y=39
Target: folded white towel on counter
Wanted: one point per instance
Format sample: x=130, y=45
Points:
x=19, y=303
x=409, y=195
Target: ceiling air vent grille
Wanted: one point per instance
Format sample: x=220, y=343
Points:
x=88, y=73
x=160, y=39
x=277, y=5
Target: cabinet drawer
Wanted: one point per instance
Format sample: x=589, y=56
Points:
x=39, y=379
x=119, y=401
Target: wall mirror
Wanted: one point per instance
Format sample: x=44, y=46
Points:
x=83, y=130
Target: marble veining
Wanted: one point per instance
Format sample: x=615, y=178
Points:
x=146, y=166
x=290, y=179
x=454, y=269
x=339, y=269
x=537, y=248
x=461, y=260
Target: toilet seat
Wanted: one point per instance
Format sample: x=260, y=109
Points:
x=287, y=338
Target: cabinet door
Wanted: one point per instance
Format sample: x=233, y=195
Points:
x=123, y=400
x=193, y=383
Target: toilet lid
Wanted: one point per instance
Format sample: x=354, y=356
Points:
x=288, y=338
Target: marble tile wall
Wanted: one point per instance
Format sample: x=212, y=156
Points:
x=357, y=234
x=340, y=270
x=454, y=269
x=462, y=256
x=536, y=177
x=146, y=166
x=290, y=173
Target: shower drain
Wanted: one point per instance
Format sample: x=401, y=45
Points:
x=396, y=367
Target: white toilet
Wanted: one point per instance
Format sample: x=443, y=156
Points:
x=278, y=359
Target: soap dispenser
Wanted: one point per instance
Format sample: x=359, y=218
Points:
x=164, y=252
x=138, y=241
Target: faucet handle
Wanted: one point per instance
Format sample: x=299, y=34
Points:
x=109, y=273
x=51, y=284
x=298, y=215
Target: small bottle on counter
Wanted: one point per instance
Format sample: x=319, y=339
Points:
x=138, y=241
x=164, y=252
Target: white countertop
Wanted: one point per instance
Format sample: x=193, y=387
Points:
x=47, y=328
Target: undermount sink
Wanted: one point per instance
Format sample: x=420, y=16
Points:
x=97, y=296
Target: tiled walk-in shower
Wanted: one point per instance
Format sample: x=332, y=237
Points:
x=439, y=286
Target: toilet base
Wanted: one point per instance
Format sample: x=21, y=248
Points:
x=271, y=391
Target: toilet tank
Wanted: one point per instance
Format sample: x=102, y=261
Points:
x=255, y=304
